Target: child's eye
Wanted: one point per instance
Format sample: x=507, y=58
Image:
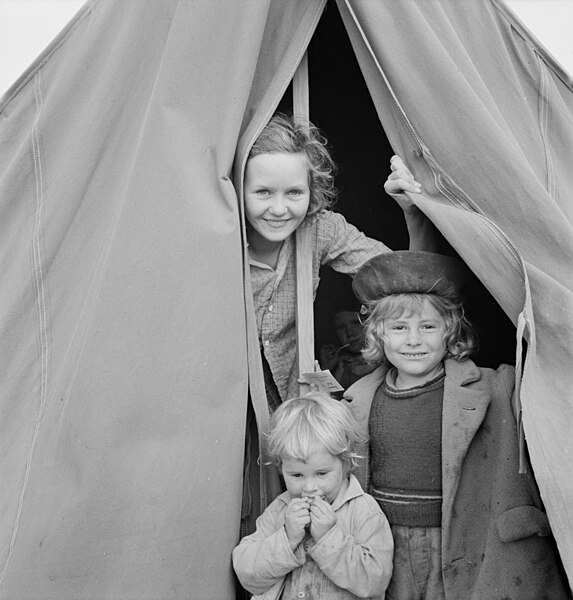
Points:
x=294, y=193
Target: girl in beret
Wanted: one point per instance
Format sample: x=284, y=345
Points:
x=443, y=455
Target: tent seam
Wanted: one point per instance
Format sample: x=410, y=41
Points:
x=40, y=289
x=536, y=46
x=46, y=55
x=544, y=118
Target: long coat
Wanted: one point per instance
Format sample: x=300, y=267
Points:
x=496, y=539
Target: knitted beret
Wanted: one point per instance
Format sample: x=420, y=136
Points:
x=406, y=271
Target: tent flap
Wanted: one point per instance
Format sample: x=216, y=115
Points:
x=486, y=124
x=124, y=375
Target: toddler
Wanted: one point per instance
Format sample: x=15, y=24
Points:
x=323, y=537
x=444, y=452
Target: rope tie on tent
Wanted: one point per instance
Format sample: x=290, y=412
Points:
x=524, y=320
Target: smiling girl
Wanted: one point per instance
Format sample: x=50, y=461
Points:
x=443, y=455
x=289, y=183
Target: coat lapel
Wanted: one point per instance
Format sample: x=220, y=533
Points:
x=360, y=396
x=464, y=410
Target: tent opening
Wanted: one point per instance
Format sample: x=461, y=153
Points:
x=341, y=106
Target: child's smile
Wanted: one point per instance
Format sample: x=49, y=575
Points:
x=414, y=344
x=277, y=195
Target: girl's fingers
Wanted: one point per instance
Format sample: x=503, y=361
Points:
x=399, y=170
x=402, y=173
x=396, y=162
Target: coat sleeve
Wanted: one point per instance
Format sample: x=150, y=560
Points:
x=360, y=560
x=264, y=558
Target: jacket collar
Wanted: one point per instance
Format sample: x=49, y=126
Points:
x=460, y=374
x=367, y=384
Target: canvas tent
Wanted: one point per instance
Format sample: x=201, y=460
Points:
x=127, y=337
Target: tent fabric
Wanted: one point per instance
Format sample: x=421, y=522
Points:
x=127, y=334
x=124, y=368
x=124, y=376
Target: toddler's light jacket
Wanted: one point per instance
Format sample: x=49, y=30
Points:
x=354, y=556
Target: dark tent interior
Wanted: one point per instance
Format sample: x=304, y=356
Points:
x=340, y=105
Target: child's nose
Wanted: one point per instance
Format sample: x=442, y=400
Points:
x=309, y=486
x=413, y=337
x=278, y=207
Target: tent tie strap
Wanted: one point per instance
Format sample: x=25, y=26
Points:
x=524, y=321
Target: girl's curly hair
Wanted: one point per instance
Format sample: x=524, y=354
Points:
x=291, y=135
